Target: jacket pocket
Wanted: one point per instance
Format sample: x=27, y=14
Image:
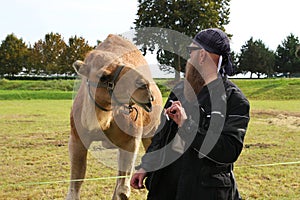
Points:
x=217, y=180
x=218, y=185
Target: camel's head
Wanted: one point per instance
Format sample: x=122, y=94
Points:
x=138, y=86
x=112, y=82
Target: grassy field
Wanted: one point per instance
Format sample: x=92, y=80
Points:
x=34, y=154
x=26, y=90
x=260, y=89
x=270, y=89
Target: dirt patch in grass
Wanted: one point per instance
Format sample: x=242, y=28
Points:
x=259, y=145
x=290, y=120
x=281, y=120
x=258, y=113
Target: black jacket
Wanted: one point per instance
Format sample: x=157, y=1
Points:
x=200, y=165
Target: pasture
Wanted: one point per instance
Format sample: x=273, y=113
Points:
x=34, y=144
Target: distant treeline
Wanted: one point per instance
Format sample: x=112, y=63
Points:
x=49, y=58
x=52, y=57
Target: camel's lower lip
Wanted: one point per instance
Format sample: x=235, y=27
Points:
x=147, y=107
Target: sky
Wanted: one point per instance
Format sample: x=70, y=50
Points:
x=269, y=20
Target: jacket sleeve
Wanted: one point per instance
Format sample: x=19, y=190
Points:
x=230, y=142
x=151, y=161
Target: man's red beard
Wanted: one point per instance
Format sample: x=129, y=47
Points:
x=193, y=82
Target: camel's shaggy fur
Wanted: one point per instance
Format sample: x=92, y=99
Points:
x=115, y=128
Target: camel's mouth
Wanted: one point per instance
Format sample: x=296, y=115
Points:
x=146, y=106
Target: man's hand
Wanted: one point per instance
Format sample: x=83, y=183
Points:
x=138, y=178
x=177, y=113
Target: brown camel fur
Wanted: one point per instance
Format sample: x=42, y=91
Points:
x=123, y=116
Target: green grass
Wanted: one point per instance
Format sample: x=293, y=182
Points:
x=34, y=142
x=26, y=90
x=34, y=148
x=277, y=105
x=34, y=138
x=261, y=89
x=30, y=94
x=256, y=89
x=273, y=137
x=61, y=85
x=270, y=89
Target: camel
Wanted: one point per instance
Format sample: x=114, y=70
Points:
x=117, y=104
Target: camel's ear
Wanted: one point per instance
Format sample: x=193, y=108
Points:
x=81, y=68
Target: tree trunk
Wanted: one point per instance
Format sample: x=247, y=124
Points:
x=177, y=76
x=177, y=69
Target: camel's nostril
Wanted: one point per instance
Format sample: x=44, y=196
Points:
x=152, y=98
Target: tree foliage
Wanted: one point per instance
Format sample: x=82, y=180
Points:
x=76, y=50
x=256, y=58
x=48, y=56
x=186, y=17
x=36, y=58
x=53, y=49
x=13, y=55
x=52, y=55
x=287, y=61
x=298, y=51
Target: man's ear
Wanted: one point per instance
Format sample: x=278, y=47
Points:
x=202, y=56
x=81, y=68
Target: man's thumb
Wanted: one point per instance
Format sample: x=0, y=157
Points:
x=141, y=179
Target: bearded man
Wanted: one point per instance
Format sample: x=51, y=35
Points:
x=192, y=155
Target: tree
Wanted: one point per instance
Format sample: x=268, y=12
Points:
x=186, y=17
x=53, y=55
x=76, y=50
x=37, y=58
x=256, y=58
x=287, y=61
x=51, y=52
x=234, y=59
x=298, y=51
x=13, y=55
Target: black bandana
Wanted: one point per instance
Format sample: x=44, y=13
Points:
x=216, y=41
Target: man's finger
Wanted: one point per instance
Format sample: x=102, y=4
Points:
x=134, y=182
x=176, y=103
x=174, y=109
x=137, y=181
x=141, y=185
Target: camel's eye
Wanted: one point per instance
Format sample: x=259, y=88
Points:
x=141, y=83
x=105, y=78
